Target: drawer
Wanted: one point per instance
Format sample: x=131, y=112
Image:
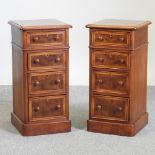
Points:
x=121, y=39
x=50, y=107
x=112, y=60
x=46, y=60
x=47, y=82
x=110, y=82
x=110, y=108
x=45, y=38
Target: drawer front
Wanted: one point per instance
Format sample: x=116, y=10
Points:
x=43, y=108
x=46, y=82
x=45, y=38
x=111, y=38
x=110, y=82
x=113, y=60
x=110, y=108
x=46, y=60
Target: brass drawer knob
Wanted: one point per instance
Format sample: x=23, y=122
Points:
x=57, y=37
x=120, y=83
x=36, y=38
x=57, y=59
x=37, y=83
x=100, y=38
x=121, y=60
x=100, y=59
x=100, y=81
x=99, y=107
x=110, y=36
x=36, y=60
x=58, y=107
x=57, y=81
x=121, y=39
x=119, y=108
x=36, y=109
x=110, y=56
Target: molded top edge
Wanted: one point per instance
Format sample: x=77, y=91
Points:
x=119, y=24
x=39, y=24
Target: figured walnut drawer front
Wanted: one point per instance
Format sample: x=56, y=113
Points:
x=110, y=82
x=47, y=107
x=114, y=60
x=46, y=82
x=46, y=60
x=111, y=108
x=45, y=38
x=111, y=38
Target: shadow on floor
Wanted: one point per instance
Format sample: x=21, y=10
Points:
x=79, y=116
x=5, y=119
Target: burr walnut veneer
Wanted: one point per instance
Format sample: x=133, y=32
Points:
x=118, y=76
x=40, y=51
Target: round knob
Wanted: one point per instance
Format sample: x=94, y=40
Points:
x=110, y=56
x=99, y=107
x=100, y=38
x=36, y=83
x=58, y=107
x=36, y=61
x=57, y=81
x=119, y=108
x=57, y=59
x=120, y=83
x=110, y=36
x=121, y=39
x=100, y=59
x=36, y=38
x=121, y=60
x=100, y=81
x=57, y=37
x=36, y=109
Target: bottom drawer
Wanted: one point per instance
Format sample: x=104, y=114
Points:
x=109, y=108
x=44, y=108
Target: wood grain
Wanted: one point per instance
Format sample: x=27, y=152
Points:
x=119, y=24
x=39, y=24
x=40, y=77
x=118, y=76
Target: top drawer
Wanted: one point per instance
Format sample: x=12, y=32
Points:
x=120, y=39
x=45, y=38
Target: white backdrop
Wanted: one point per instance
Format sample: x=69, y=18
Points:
x=77, y=13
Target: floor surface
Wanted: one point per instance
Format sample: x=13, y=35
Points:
x=78, y=141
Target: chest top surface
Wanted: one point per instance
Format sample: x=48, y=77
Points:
x=39, y=24
x=119, y=24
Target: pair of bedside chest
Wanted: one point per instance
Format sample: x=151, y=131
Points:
x=40, y=76
x=118, y=74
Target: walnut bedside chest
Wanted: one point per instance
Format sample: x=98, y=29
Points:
x=118, y=76
x=40, y=51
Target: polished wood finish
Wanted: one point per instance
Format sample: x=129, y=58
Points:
x=110, y=82
x=40, y=50
x=119, y=24
x=47, y=108
x=111, y=108
x=45, y=38
x=47, y=82
x=110, y=59
x=39, y=24
x=118, y=76
x=47, y=60
x=110, y=38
